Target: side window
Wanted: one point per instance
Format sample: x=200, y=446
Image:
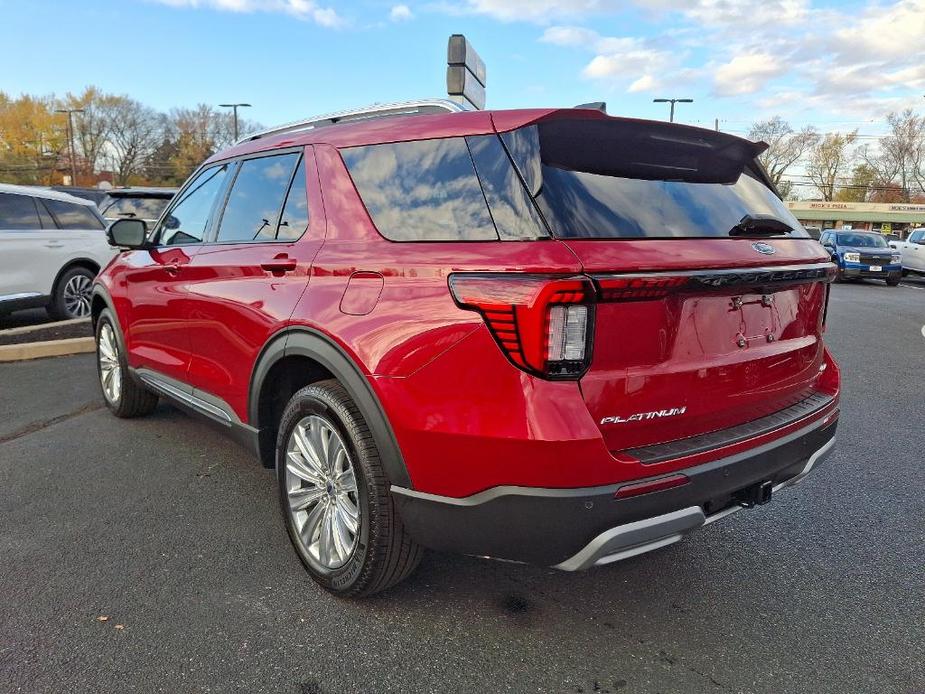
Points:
x=917, y=237
x=513, y=212
x=252, y=210
x=421, y=191
x=72, y=216
x=294, y=220
x=189, y=218
x=18, y=212
x=47, y=220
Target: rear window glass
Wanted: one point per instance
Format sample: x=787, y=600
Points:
x=421, y=191
x=598, y=179
x=139, y=208
x=72, y=216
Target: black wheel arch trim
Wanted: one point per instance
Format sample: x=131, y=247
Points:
x=313, y=344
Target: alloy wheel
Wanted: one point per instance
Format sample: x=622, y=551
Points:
x=77, y=296
x=321, y=488
x=110, y=367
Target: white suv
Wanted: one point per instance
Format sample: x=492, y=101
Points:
x=51, y=247
x=912, y=250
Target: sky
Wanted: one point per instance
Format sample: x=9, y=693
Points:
x=836, y=65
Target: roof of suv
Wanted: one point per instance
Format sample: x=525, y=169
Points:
x=46, y=193
x=370, y=131
x=142, y=192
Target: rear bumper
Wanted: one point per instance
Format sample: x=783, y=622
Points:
x=574, y=529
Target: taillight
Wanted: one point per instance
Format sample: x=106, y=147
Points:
x=543, y=324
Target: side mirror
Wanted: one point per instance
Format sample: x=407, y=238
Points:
x=127, y=233
x=829, y=247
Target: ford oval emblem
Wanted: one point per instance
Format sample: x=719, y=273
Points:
x=764, y=248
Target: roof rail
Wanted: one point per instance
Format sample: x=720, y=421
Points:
x=399, y=108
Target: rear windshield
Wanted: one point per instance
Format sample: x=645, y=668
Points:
x=861, y=240
x=569, y=178
x=601, y=179
x=142, y=208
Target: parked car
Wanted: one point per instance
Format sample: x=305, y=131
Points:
x=862, y=254
x=911, y=252
x=814, y=232
x=547, y=336
x=139, y=203
x=96, y=195
x=52, y=245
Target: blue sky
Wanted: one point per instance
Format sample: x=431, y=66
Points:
x=837, y=65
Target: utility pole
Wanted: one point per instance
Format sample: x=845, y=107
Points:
x=70, y=139
x=672, y=102
x=235, y=108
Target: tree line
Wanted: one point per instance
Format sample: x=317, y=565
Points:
x=840, y=168
x=115, y=138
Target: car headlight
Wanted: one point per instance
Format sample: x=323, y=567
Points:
x=852, y=257
x=896, y=257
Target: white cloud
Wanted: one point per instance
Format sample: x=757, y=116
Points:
x=538, y=10
x=400, y=13
x=301, y=9
x=746, y=74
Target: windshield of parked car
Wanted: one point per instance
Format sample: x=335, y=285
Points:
x=627, y=179
x=859, y=240
x=142, y=208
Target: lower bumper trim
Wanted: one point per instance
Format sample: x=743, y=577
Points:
x=631, y=539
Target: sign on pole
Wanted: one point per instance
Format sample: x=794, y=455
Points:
x=465, y=73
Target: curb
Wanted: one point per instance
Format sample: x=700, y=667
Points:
x=48, y=348
x=23, y=329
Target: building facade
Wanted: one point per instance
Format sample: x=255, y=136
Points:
x=887, y=218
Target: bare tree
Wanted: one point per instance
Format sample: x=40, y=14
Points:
x=828, y=160
x=900, y=156
x=135, y=132
x=785, y=146
x=91, y=126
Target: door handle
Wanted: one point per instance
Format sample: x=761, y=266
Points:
x=280, y=264
x=172, y=268
x=53, y=245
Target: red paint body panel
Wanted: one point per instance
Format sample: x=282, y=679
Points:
x=464, y=417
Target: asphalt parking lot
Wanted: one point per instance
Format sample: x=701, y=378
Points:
x=172, y=532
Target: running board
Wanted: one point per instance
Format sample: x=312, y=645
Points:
x=186, y=395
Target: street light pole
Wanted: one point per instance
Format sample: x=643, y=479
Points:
x=70, y=139
x=234, y=108
x=672, y=102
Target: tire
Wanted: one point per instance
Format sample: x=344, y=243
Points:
x=70, y=297
x=839, y=277
x=124, y=397
x=893, y=281
x=364, y=554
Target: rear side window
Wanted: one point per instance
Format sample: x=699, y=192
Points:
x=18, y=212
x=253, y=207
x=294, y=220
x=189, y=218
x=69, y=215
x=626, y=179
x=421, y=191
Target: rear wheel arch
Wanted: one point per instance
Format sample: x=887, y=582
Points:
x=77, y=262
x=301, y=356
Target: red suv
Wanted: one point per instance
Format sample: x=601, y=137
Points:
x=548, y=336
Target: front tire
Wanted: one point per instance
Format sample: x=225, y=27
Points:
x=893, y=281
x=334, y=495
x=124, y=397
x=71, y=297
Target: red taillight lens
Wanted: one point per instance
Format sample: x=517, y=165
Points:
x=629, y=288
x=542, y=323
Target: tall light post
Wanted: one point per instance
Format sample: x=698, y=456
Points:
x=70, y=139
x=672, y=102
x=235, y=108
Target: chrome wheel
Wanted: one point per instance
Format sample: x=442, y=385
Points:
x=322, y=492
x=77, y=296
x=110, y=367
